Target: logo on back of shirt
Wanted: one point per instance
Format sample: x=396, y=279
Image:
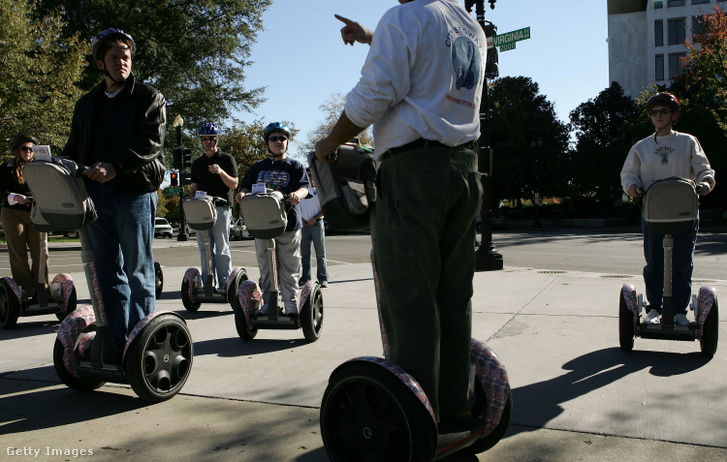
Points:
x=467, y=63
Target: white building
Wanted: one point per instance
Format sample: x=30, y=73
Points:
x=645, y=39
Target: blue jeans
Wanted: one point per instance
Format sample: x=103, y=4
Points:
x=682, y=266
x=219, y=236
x=121, y=239
x=313, y=236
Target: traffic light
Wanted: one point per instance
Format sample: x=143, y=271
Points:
x=177, y=159
x=186, y=158
x=491, y=69
x=174, y=178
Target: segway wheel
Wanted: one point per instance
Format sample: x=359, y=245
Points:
x=487, y=442
x=311, y=315
x=70, y=380
x=159, y=359
x=232, y=290
x=70, y=306
x=189, y=305
x=625, y=325
x=367, y=413
x=9, y=306
x=710, y=332
x=158, y=279
x=245, y=333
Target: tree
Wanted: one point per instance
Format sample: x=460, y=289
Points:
x=333, y=107
x=38, y=68
x=603, y=141
x=528, y=141
x=195, y=53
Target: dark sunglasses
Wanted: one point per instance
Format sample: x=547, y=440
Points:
x=662, y=111
x=277, y=138
x=26, y=148
x=209, y=138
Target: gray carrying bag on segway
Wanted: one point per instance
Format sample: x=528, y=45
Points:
x=264, y=214
x=61, y=200
x=671, y=206
x=200, y=212
x=346, y=187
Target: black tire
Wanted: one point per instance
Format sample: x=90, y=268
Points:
x=625, y=325
x=9, y=306
x=311, y=315
x=159, y=359
x=232, y=290
x=483, y=444
x=710, y=333
x=158, y=279
x=70, y=307
x=70, y=380
x=189, y=305
x=367, y=413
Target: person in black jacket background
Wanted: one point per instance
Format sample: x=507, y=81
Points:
x=118, y=131
x=16, y=204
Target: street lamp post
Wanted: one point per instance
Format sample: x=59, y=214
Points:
x=177, y=123
x=487, y=257
x=538, y=165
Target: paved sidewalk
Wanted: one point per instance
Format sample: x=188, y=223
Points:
x=577, y=395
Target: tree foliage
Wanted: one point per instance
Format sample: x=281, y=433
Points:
x=38, y=69
x=603, y=139
x=194, y=52
x=332, y=108
x=528, y=141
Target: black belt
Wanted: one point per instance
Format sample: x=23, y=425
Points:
x=421, y=143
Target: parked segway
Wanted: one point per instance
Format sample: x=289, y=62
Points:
x=670, y=206
x=201, y=215
x=59, y=298
x=372, y=409
x=157, y=358
x=266, y=218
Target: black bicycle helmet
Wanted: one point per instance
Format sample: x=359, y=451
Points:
x=665, y=99
x=107, y=35
x=276, y=127
x=19, y=139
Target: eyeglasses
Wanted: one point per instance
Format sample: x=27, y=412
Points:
x=26, y=148
x=277, y=138
x=209, y=138
x=662, y=111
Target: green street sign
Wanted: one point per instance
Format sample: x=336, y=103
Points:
x=507, y=40
x=173, y=190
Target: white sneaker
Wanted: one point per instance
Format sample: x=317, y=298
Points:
x=681, y=320
x=652, y=317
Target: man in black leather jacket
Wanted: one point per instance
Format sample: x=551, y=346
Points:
x=118, y=132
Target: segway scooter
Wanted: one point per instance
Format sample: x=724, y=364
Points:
x=266, y=218
x=59, y=298
x=157, y=358
x=158, y=279
x=670, y=206
x=201, y=215
x=372, y=409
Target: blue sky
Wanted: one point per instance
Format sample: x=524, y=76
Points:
x=302, y=60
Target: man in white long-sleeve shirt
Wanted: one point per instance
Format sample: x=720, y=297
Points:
x=667, y=153
x=421, y=87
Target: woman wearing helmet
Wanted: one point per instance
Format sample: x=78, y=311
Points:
x=280, y=173
x=16, y=216
x=667, y=153
x=215, y=173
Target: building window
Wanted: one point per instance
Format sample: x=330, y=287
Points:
x=659, y=68
x=660, y=5
x=673, y=3
x=675, y=64
x=699, y=2
x=697, y=26
x=659, y=33
x=677, y=31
